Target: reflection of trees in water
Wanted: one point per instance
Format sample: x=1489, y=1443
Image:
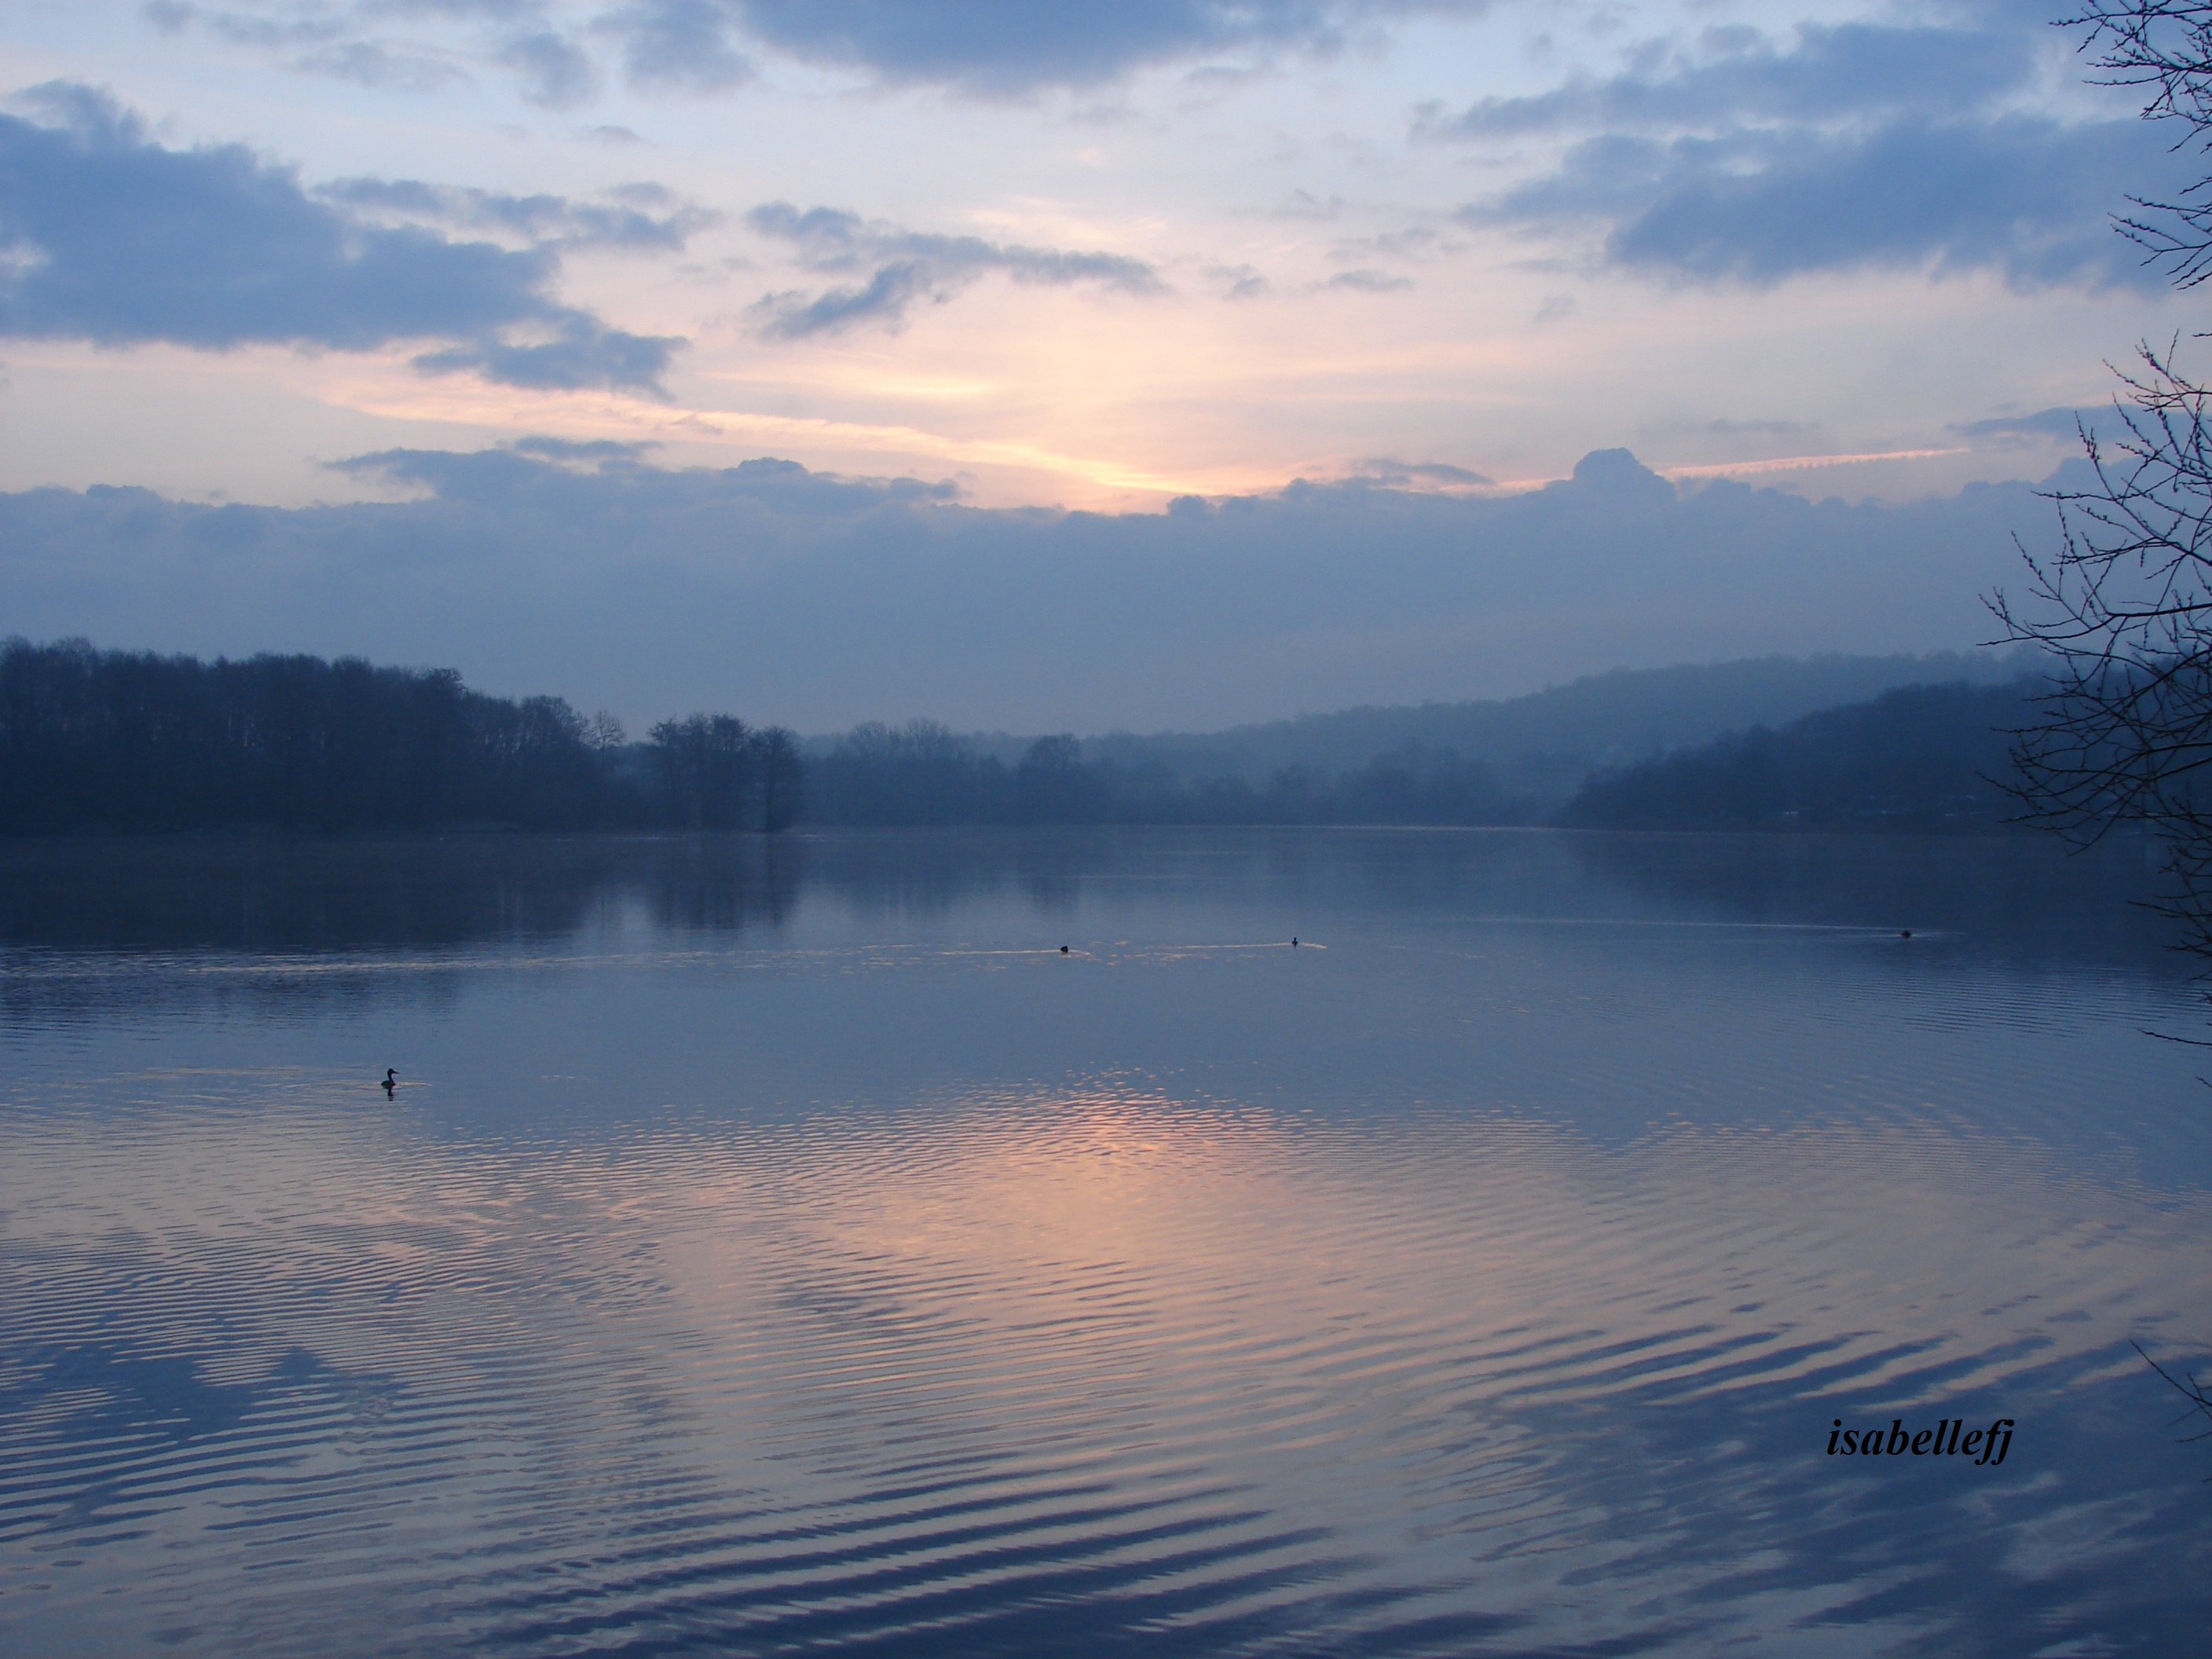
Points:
x=280, y=922
x=720, y=883
x=285, y=895
x=1051, y=884
x=2016, y=895
x=45, y=996
x=1290, y=868
x=1428, y=872
x=2013, y=894
x=933, y=872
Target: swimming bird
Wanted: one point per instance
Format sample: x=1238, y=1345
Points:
x=1063, y=950
x=391, y=1081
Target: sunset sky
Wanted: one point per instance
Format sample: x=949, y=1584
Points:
x=1039, y=256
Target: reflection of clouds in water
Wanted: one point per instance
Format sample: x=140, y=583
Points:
x=1517, y=1345
x=1886, y=1260
x=870, y=1272
x=1246, y=1370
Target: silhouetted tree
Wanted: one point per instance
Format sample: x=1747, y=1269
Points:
x=540, y=765
x=706, y=767
x=919, y=773
x=2124, y=608
x=782, y=779
x=1052, y=786
x=2164, y=46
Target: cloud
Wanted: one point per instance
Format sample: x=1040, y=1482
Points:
x=530, y=480
x=1367, y=280
x=905, y=268
x=598, y=451
x=582, y=351
x=555, y=73
x=318, y=41
x=1856, y=71
x=1305, y=204
x=999, y=47
x=987, y=48
x=679, y=45
x=109, y=237
x=791, y=595
x=1414, y=242
x=1617, y=478
x=244, y=30
x=1856, y=146
x=626, y=221
x=2045, y=423
x=1728, y=428
x=2022, y=196
x=1433, y=475
x=367, y=63
x=1239, y=281
x=2063, y=426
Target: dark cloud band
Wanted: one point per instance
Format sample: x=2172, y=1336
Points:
x=827, y=600
x=2026, y=197
x=991, y=48
x=1857, y=146
x=109, y=237
x=1854, y=71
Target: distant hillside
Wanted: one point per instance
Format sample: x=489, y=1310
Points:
x=1922, y=758
x=1515, y=761
x=1545, y=743
x=1629, y=713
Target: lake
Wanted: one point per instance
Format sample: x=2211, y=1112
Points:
x=783, y=1248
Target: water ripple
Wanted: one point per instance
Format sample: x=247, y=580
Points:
x=735, y=1327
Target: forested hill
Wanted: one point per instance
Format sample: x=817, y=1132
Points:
x=1925, y=758
x=1602, y=720
x=118, y=740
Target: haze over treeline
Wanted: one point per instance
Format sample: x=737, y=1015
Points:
x=1548, y=741
x=1512, y=761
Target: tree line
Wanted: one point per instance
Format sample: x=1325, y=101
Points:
x=923, y=772
x=133, y=741
x=1922, y=759
x=119, y=740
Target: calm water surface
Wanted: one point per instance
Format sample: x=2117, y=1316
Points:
x=789, y=1250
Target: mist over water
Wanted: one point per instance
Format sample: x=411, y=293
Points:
x=779, y=1248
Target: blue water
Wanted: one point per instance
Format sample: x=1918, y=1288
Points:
x=787, y=1249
